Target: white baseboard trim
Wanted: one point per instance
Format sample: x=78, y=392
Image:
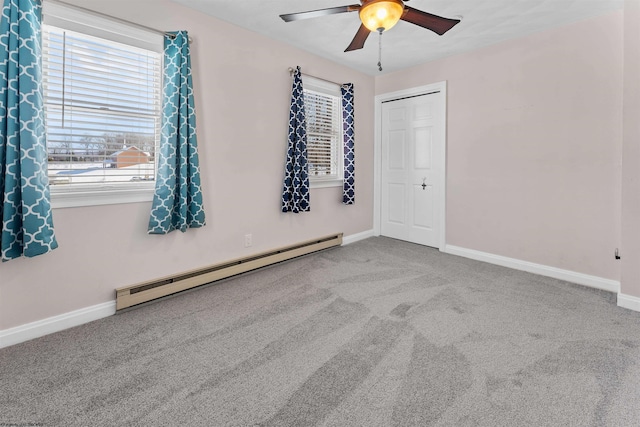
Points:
x=347, y=240
x=543, y=270
x=629, y=302
x=56, y=323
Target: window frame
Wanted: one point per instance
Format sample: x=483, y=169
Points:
x=330, y=89
x=79, y=20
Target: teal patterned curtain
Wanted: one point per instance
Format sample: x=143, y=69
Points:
x=177, y=203
x=27, y=226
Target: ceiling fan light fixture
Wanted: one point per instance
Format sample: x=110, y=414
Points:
x=381, y=15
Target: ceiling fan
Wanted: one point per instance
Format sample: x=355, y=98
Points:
x=379, y=16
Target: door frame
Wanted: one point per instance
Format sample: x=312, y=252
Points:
x=442, y=159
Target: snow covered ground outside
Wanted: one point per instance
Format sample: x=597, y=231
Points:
x=84, y=173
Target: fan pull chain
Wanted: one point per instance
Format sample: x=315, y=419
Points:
x=380, y=30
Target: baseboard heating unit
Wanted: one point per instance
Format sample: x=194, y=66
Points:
x=147, y=291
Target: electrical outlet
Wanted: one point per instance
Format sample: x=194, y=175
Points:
x=247, y=240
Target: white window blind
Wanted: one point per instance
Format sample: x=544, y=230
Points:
x=323, y=108
x=102, y=105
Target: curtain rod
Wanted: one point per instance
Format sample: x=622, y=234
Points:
x=291, y=70
x=113, y=18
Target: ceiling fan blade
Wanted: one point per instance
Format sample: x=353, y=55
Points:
x=321, y=12
x=435, y=23
x=359, y=39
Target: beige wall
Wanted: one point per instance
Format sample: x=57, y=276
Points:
x=533, y=145
x=242, y=89
x=630, y=276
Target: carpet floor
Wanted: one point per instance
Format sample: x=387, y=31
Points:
x=377, y=333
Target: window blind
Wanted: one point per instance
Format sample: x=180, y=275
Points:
x=323, y=112
x=103, y=109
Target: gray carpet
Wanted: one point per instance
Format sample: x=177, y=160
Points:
x=377, y=333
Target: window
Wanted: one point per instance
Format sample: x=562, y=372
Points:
x=102, y=97
x=323, y=108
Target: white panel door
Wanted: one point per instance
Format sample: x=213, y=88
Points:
x=410, y=179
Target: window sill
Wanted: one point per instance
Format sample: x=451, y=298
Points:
x=95, y=196
x=324, y=183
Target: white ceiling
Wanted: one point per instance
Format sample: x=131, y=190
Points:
x=484, y=22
